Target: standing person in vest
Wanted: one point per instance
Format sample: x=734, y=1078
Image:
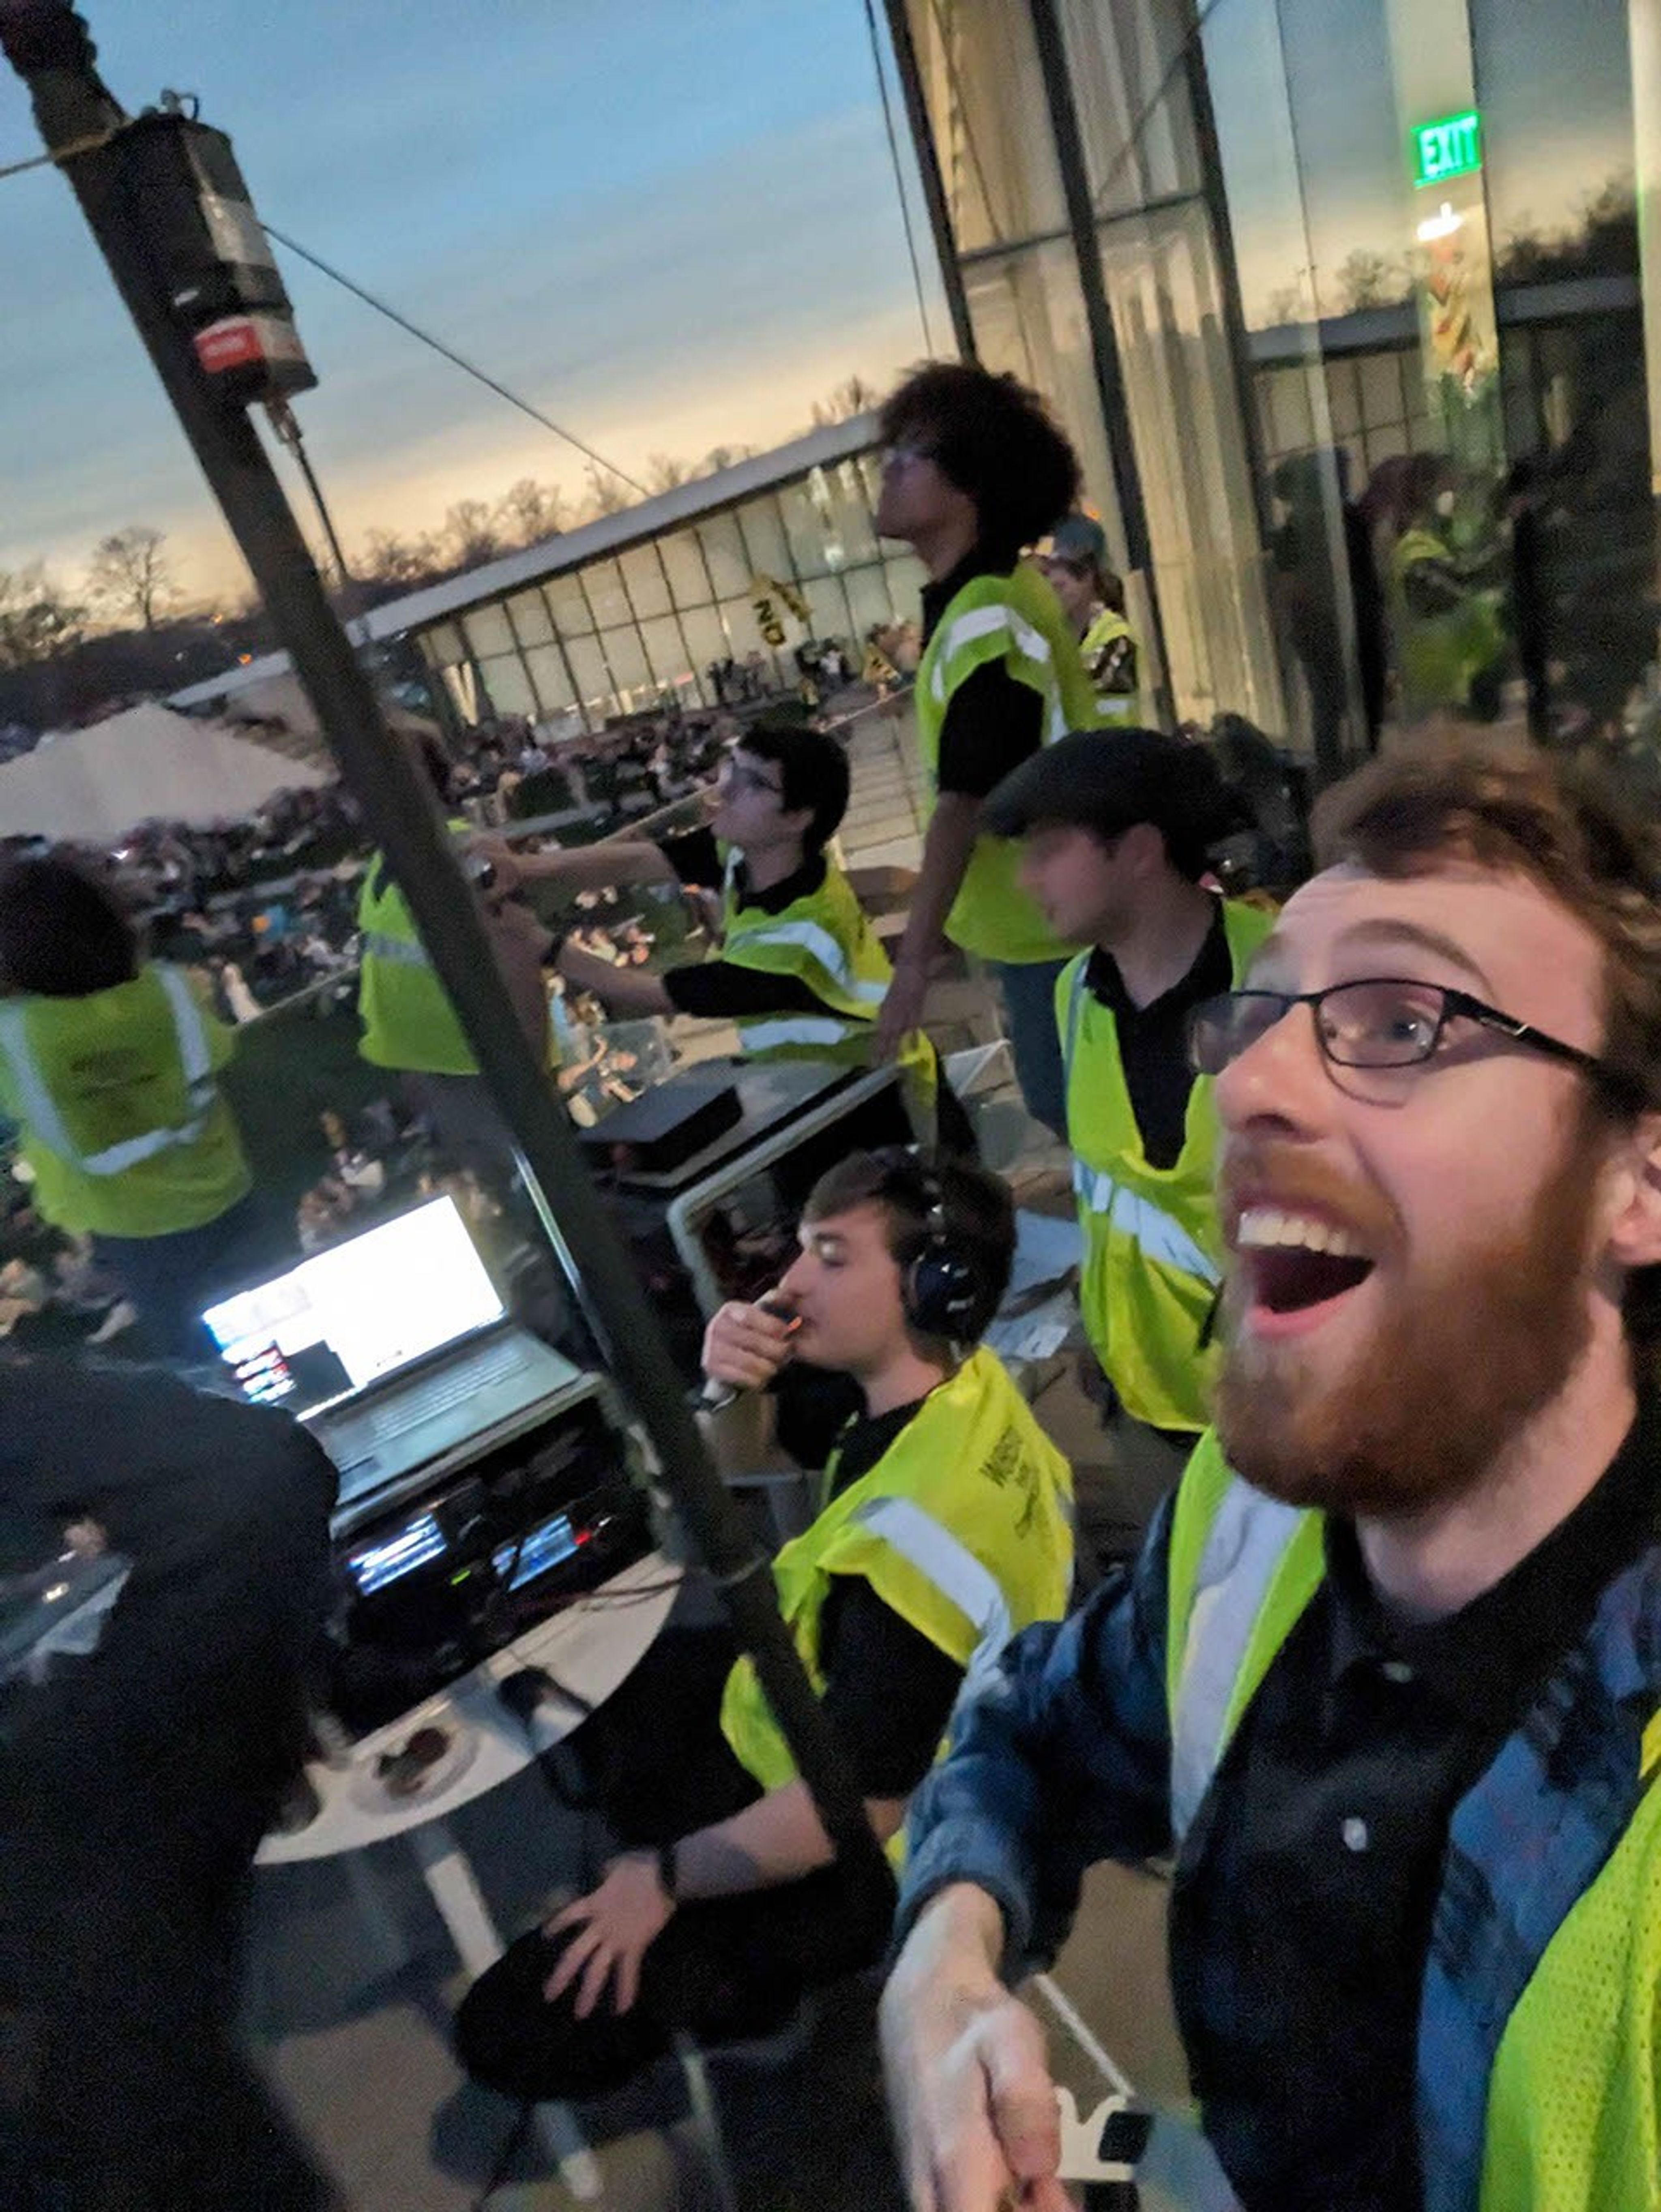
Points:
x=974, y=471
x=109, y=1064
x=1445, y=607
x=1074, y=560
x=800, y=972
x=944, y=1528
x=409, y=1025
x=1387, y=1676
x=1118, y=838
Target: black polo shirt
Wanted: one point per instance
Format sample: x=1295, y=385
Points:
x=992, y=722
x=1301, y=1925
x=1153, y=1039
x=726, y=990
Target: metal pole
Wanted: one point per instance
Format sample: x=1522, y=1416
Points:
x=288, y=428
x=71, y=105
x=933, y=182
x=1104, y=344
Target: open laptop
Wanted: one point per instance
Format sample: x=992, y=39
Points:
x=394, y=1347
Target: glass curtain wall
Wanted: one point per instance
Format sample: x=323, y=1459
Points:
x=638, y=629
x=1375, y=283
x=1445, y=308
x=1165, y=257
x=980, y=79
x=1155, y=258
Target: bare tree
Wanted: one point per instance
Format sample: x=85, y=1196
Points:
x=853, y=395
x=1366, y=279
x=131, y=576
x=528, y=511
x=1285, y=305
x=38, y=620
x=665, y=473
x=387, y=558
x=607, y=492
x=471, y=535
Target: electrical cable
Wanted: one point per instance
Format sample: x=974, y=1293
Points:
x=62, y=154
x=458, y=360
x=899, y=174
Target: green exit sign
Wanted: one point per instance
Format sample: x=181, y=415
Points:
x=1452, y=148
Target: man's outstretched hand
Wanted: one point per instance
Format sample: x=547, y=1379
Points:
x=969, y=2086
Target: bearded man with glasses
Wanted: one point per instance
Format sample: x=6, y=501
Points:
x=1386, y=1677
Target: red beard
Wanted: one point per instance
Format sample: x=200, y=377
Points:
x=1464, y=1360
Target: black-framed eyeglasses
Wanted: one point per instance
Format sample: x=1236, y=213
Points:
x=737, y=775
x=1380, y=1022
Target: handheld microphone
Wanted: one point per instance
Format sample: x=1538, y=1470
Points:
x=716, y=1397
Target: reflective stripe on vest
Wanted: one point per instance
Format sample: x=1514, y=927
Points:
x=40, y=1108
x=1148, y=1225
x=1243, y=1548
x=401, y=952
x=952, y=1568
x=768, y=1035
x=987, y=622
x=818, y=941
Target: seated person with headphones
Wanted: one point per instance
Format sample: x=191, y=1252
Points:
x=944, y=1528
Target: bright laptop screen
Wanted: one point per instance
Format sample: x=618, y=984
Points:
x=357, y=1313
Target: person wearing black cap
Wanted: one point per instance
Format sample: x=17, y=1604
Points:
x=1116, y=838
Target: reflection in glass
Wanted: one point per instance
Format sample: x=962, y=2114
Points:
x=724, y=552
x=602, y=581
x=647, y=586
x=665, y=653
x=763, y=535
x=683, y=562
x=487, y=632
x=594, y=681
x=508, y=685
x=551, y=679
x=567, y=604
x=531, y=622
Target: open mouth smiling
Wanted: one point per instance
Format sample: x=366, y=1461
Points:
x=1294, y=1266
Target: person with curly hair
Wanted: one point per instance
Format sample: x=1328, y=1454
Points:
x=974, y=471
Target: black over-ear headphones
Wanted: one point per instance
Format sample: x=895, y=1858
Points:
x=941, y=1293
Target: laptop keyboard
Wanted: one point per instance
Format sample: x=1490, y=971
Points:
x=440, y=1394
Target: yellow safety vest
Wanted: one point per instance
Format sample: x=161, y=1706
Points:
x=824, y=940
x=1153, y=1258
x=122, y=1117
x=408, y=1020
x=1438, y=657
x=1113, y=660
x=1573, y=2112
x=1015, y=619
x=964, y=1528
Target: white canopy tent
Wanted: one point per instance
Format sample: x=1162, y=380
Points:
x=146, y=764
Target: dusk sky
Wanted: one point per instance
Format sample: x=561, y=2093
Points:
x=670, y=224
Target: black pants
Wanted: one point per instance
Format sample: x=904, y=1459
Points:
x=124, y=2083
x=723, y=1968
